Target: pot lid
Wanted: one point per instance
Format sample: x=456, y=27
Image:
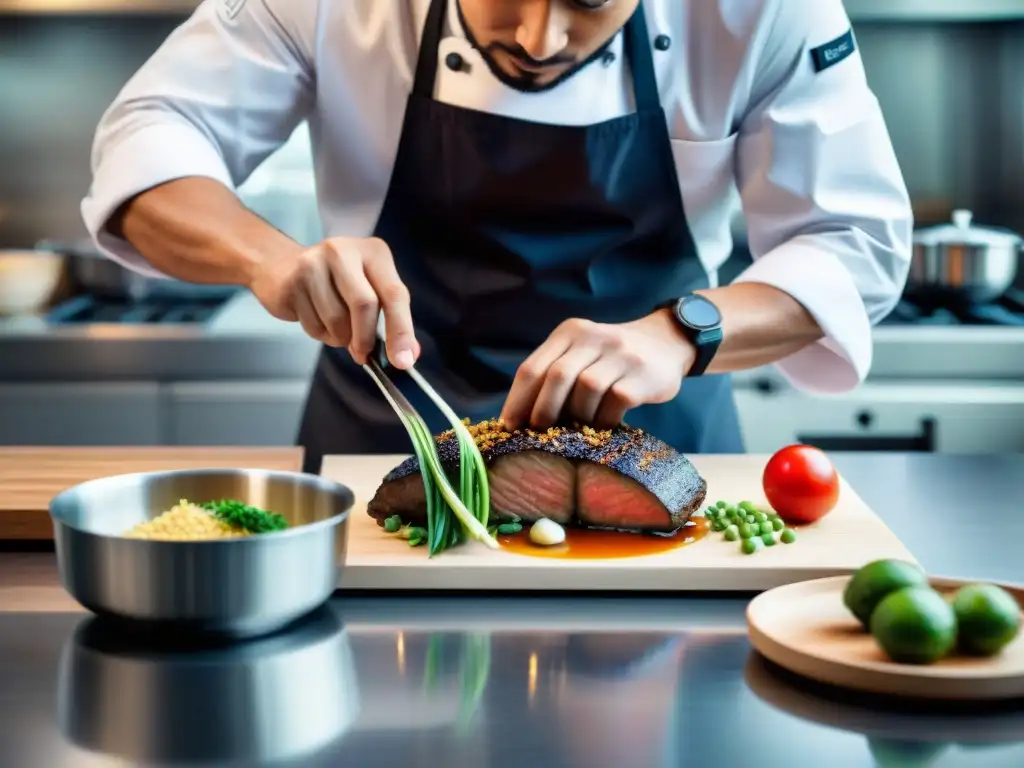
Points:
x=963, y=232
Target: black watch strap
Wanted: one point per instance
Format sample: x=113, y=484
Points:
x=706, y=343
x=705, y=340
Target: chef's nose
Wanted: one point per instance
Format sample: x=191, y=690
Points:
x=543, y=29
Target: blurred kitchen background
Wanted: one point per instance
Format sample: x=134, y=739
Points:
x=113, y=359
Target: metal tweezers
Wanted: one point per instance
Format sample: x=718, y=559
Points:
x=407, y=413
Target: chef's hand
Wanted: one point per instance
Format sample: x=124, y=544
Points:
x=336, y=290
x=593, y=373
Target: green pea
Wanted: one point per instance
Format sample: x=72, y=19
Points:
x=417, y=536
x=507, y=528
x=732, y=533
x=788, y=536
x=760, y=517
x=763, y=528
x=712, y=512
x=747, y=531
x=777, y=524
x=768, y=539
x=750, y=546
x=748, y=506
x=392, y=524
x=722, y=504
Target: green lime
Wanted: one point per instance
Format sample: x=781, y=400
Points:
x=988, y=618
x=897, y=753
x=874, y=581
x=914, y=625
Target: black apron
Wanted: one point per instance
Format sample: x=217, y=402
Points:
x=502, y=229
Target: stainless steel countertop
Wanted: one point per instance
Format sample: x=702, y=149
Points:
x=244, y=342
x=571, y=681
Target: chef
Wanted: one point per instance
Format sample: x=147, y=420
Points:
x=535, y=194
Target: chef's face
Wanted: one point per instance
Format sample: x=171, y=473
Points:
x=534, y=44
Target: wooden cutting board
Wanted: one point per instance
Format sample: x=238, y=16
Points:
x=841, y=542
x=30, y=477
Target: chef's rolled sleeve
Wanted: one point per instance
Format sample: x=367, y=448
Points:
x=130, y=165
x=828, y=214
x=225, y=90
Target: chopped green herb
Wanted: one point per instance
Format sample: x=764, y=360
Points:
x=246, y=517
x=507, y=528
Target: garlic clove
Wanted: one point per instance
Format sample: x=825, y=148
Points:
x=547, y=533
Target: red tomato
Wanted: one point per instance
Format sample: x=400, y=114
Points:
x=801, y=484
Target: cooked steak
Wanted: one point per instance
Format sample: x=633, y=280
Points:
x=620, y=478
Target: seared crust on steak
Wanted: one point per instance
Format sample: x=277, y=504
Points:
x=658, y=468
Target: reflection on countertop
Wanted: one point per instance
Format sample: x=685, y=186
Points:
x=340, y=690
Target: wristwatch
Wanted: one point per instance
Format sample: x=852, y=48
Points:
x=701, y=322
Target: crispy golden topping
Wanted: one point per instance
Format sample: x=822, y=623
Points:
x=651, y=456
x=489, y=433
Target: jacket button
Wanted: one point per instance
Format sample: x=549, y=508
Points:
x=608, y=58
x=454, y=62
x=663, y=42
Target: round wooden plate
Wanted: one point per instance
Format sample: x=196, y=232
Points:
x=806, y=629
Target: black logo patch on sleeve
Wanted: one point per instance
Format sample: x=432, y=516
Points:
x=833, y=52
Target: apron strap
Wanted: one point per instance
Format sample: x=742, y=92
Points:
x=426, y=65
x=637, y=52
x=638, y=46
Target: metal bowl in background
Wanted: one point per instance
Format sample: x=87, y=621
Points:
x=238, y=587
x=962, y=262
x=28, y=280
x=282, y=699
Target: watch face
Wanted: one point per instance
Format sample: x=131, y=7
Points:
x=699, y=313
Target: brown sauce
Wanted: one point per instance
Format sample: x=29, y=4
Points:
x=587, y=544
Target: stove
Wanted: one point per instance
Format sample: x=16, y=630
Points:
x=1005, y=311
x=91, y=310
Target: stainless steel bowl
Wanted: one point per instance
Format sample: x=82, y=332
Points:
x=278, y=700
x=239, y=587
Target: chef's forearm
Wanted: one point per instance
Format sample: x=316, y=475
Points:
x=196, y=229
x=760, y=325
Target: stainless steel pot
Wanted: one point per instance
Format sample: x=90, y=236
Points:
x=280, y=700
x=960, y=261
x=240, y=587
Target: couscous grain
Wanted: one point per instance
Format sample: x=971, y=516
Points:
x=185, y=522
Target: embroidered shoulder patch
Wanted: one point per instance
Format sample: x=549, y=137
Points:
x=232, y=7
x=832, y=52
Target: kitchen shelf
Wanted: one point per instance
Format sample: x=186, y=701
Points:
x=859, y=10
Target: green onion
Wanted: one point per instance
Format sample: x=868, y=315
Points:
x=473, y=504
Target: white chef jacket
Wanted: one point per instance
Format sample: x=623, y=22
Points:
x=751, y=121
